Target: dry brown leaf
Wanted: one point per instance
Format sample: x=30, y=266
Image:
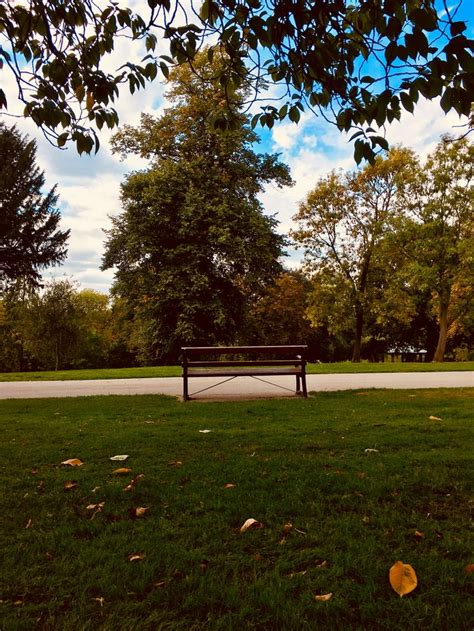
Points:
x=229, y=486
x=287, y=527
x=69, y=485
x=469, y=569
x=323, y=597
x=250, y=523
x=282, y=542
x=292, y=574
x=134, y=482
x=419, y=534
x=434, y=418
x=139, y=511
x=30, y=521
x=121, y=471
x=175, y=463
x=136, y=556
x=322, y=564
x=402, y=578
x=100, y=600
x=96, y=507
x=73, y=462
x=361, y=475
x=366, y=519
x=119, y=458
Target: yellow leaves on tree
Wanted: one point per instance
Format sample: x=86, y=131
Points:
x=402, y=578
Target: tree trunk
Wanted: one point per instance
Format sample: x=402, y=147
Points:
x=57, y=352
x=359, y=314
x=443, y=333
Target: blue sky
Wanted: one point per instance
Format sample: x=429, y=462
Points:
x=89, y=186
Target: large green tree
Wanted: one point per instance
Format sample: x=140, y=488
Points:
x=437, y=236
x=342, y=225
x=192, y=246
x=30, y=238
x=356, y=62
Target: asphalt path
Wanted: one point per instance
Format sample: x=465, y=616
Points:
x=237, y=388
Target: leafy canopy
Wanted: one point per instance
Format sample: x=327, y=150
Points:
x=357, y=64
x=192, y=246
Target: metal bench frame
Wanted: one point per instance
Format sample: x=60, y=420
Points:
x=293, y=363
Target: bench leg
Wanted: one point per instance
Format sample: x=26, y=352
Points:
x=298, y=384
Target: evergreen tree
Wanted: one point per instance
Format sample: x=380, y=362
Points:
x=30, y=240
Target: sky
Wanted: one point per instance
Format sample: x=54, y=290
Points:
x=89, y=186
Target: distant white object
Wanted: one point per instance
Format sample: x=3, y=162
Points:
x=119, y=458
x=204, y=431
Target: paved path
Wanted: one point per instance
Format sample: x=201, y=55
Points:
x=240, y=388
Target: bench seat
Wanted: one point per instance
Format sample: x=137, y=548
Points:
x=292, y=362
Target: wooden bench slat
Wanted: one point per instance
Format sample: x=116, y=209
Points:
x=256, y=362
x=248, y=372
x=235, y=350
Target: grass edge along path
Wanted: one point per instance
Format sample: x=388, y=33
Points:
x=175, y=371
x=365, y=478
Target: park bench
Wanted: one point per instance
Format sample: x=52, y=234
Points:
x=250, y=361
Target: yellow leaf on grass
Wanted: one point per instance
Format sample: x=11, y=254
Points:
x=323, y=597
x=96, y=507
x=402, y=578
x=73, y=462
x=434, y=418
x=250, y=523
x=69, y=485
x=229, y=486
x=136, y=556
x=121, y=471
x=137, y=512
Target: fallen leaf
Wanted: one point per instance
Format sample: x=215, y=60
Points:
x=371, y=451
x=175, y=463
x=119, y=458
x=402, y=578
x=361, y=475
x=96, y=507
x=292, y=574
x=366, y=519
x=287, y=528
x=30, y=521
x=121, y=471
x=419, y=534
x=204, y=566
x=17, y=603
x=322, y=564
x=250, y=523
x=439, y=534
x=100, y=600
x=205, y=431
x=136, y=556
x=137, y=512
x=229, y=486
x=69, y=485
x=282, y=542
x=95, y=489
x=160, y=584
x=134, y=482
x=323, y=597
x=34, y=471
x=41, y=487
x=73, y=462
x=434, y=418
x=469, y=569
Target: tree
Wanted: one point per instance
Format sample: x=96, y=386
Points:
x=342, y=224
x=30, y=240
x=192, y=246
x=437, y=237
x=55, y=324
x=356, y=63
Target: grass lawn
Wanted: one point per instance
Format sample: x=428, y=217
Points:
x=300, y=462
x=175, y=371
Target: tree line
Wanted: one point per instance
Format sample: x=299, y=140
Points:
x=387, y=249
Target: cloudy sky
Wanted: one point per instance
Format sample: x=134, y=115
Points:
x=89, y=186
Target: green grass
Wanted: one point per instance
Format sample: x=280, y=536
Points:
x=298, y=461
x=175, y=371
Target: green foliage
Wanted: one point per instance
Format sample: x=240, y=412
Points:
x=342, y=224
x=30, y=240
x=192, y=245
x=359, y=63
x=437, y=235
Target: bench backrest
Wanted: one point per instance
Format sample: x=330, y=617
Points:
x=193, y=351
